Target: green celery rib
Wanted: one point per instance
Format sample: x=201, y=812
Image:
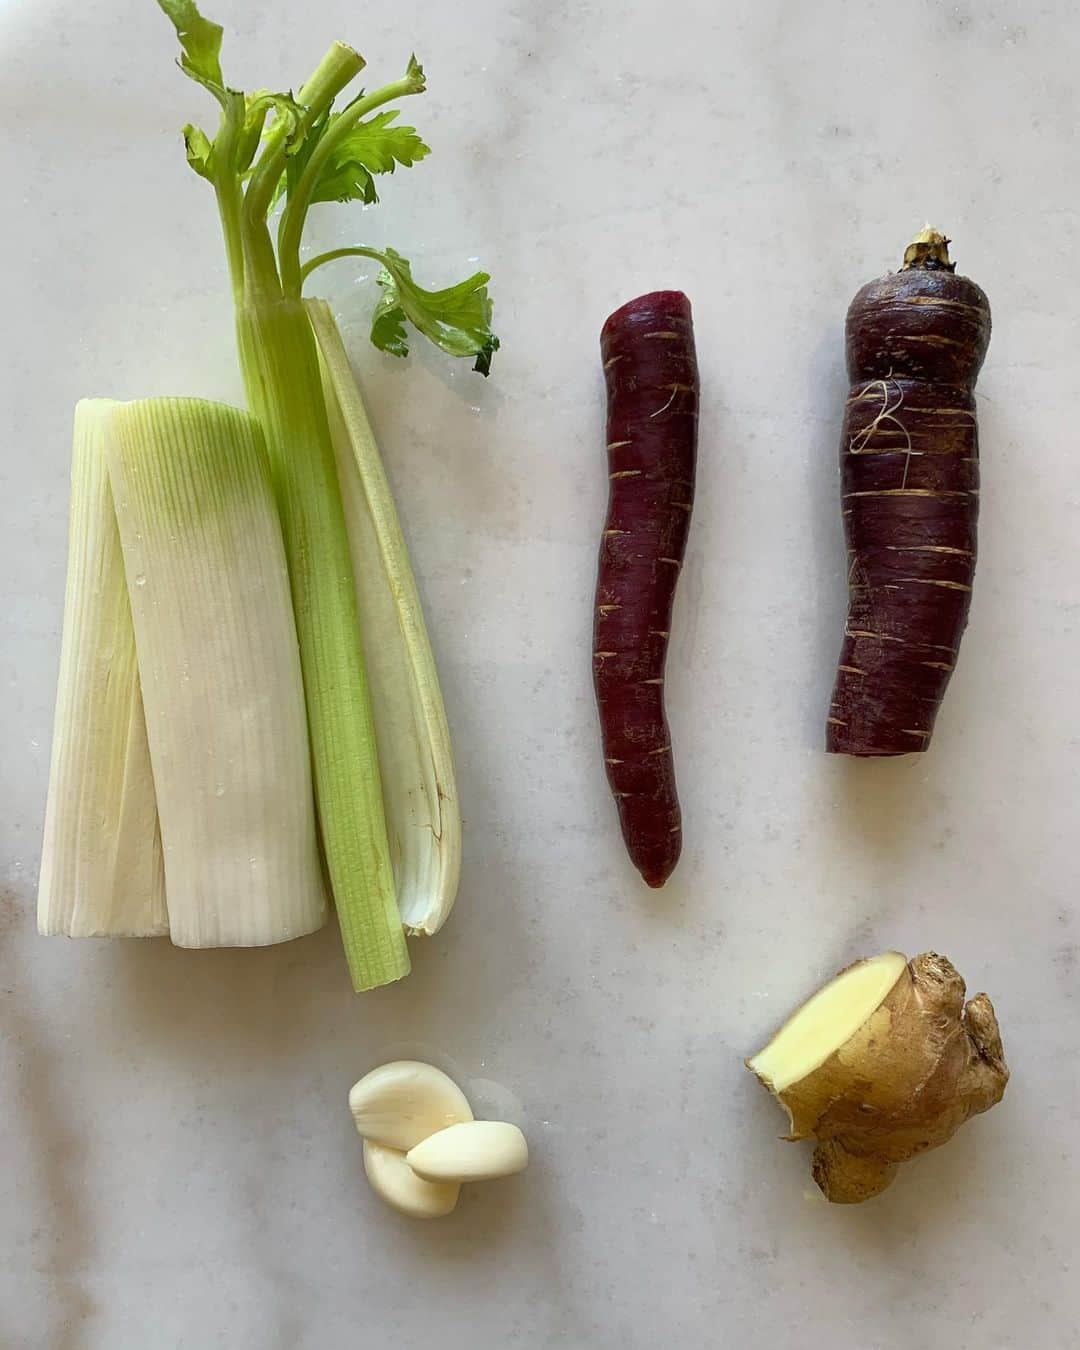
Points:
x=415, y=759
x=281, y=372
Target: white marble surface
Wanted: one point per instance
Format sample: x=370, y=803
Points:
x=177, y=1165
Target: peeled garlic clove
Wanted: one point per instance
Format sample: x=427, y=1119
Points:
x=401, y=1103
x=477, y=1150
x=393, y=1180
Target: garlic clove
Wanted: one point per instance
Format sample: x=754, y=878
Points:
x=394, y=1181
x=401, y=1103
x=476, y=1150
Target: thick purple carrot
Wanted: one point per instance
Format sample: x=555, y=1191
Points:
x=909, y=459
x=647, y=348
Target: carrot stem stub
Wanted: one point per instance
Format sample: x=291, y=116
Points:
x=909, y=460
x=650, y=367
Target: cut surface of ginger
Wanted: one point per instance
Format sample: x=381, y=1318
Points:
x=827, y=1020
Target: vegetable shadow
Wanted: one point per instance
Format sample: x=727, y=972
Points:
x=45, y=1122
x=441, y=427
x=455, y=374
x=929, y=1193
x=882, y=809
x=879, y=806
x=883, y=802
x=829, y=581
x=273, y=1022
x=479, y=1228
x=270, y=1022
x=705, y=585
x=212, y=1015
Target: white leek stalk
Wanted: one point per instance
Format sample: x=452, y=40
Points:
x=101, y=860
x=416, y=766
x=220, y=672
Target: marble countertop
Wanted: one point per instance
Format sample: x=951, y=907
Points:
x=177, y=1163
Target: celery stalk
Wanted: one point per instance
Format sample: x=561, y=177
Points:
x=101, y=861
x=222, y=687
x=415, y=759
x=271, y=148
x=281, y=370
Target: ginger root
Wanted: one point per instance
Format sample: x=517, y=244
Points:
x=883, y=1063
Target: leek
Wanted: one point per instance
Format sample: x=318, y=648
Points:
x=221, y=680
x=272, y=148
x=101, y=860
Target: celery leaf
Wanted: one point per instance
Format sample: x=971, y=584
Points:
x=415, y=71
x=457, y=319
x=371, y=147
x=200, y=40
x=257, y=107
x=298, y=156
x=198, y=146
x=345, y=183
x=285, y=109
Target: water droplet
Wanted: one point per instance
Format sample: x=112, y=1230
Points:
x=219, y=791
x=140, y=580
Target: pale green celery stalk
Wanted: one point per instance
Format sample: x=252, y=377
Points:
x=293, y=218
x=281, y=372
x=101, y=860
x=222, y=685
x=281, y=375
x=415, y=760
